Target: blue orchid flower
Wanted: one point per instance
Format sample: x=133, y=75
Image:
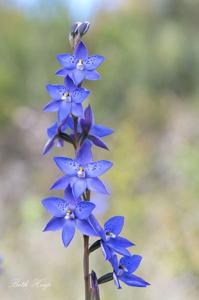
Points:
x=68, y=214
x=80, y=66
x=82, y=173
x=123, y=271
x=66, y=99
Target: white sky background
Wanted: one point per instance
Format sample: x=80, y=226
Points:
x=79, y=9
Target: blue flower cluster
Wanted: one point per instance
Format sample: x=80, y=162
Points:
x=76, y=125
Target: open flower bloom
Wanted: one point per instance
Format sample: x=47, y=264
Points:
x=54, y=136
x=123, y=270
x=69, y=214
x=111, y=242
x=82, y=173
x=80, y=66
x=66, y=99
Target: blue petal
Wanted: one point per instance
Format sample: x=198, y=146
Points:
x=124, y=242
x=67, y=165
x=131, y=263
x=88, y=121
x=96, y=185
x=51, y=106
x=106, y=250
x=56, y=91
x=114, y=262
x=84, y=209
x=66, y=60
x=133, y=280
x=55, y=206
x=98, y=168
x=116, y=281
x=54, y=224
x=101, y=130
x=84, y=155
x=48, y=146
x=93, y=62
x=114, y=225
x=92, y=75
x=78, y=76
x=77, y=109
x=68, y=232
x=79, y=95
x=97, y=142
x=62, y=72
x=68, y=196
x=70, y=86
x=97, y=227
x=64, y=110
x=61, y=183
x=115, y=245
x=84, y=227
x=79, y=187
x=81, y=51
x=52, y=130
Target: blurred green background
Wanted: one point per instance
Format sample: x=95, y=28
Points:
x=149, y=94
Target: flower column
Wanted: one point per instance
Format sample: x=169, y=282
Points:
x=76, y=126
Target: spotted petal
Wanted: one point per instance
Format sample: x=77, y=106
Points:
x=67, y=165
x=66, y=60
x=56, y=91
x=84, y=209
x=93, y=62
x=98, y=168
x=114, y=225
x=55, y=206
x=79, y=95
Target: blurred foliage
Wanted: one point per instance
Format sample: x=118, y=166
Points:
x=149, y=95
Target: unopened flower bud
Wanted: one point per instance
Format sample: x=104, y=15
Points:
x=78, y=29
